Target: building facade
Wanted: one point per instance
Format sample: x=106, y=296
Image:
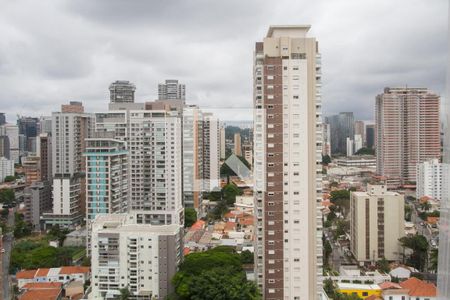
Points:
x=376, y=224
x=142, y=258
x=237, y=144
x=12, y=132
x=407, y=132
x=287, y=171
x=211, y=152
x=370, y=136
x=360, y=129
x=6, y=168
x=70, y=128
x=121, y=91
x=38, y=200
x=171, y=90
x=153, y=139
x=341, y=128
x=430, y=179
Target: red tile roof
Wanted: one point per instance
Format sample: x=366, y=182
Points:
x=26, y=274
x=42, y=285
x=200, y=224
x=42, y=272
x=74, y=270
x=419, y=287
x=374, y=297
x=46, y=294
x=186, y=251
x=389, y=285
x=229, y=226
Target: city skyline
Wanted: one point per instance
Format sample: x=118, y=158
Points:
x=352, y=78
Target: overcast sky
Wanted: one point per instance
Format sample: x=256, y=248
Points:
x=55, y=51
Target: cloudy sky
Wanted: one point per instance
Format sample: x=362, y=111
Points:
x=55, y=51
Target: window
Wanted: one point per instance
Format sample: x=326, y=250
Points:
x=270, y=77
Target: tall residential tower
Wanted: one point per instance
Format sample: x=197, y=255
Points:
x=407, y=132
x=287, y=154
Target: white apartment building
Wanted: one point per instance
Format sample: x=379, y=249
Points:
x=358, y=142
x=171, y=90
x=326, y=137
x=376, y=224
x=153, y=139
x=429, y=179
x=211, y=152
x=142, y=257
x=287, y=171
x=350, y=147
x=222, y=143
x=6, y=168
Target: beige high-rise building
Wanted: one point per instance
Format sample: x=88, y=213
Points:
x=407, y=132
x=287, y=172
x=360, y=129
x=237, y=144
x=376, y=224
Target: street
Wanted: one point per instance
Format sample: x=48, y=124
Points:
x=8, y=239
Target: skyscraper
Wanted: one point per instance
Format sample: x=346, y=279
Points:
x=70, y=128
x=171, y=90
x=2, y=119
x=106, y=175
x=222, y=143
x=287, y=171
x=370, y=136
x=121, y=91
x=361, y=130
x=326, y=137
x=29, y=128
x=237, y=144
x=211, y=152
x=12, y=132
x=407, y=132
x=341, y=128
x=153, y=139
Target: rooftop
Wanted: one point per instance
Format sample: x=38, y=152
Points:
x=419, y=287
x=292, y=30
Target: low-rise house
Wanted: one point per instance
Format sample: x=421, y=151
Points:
x=411, y=288
x=41, y=291
x=61, y=275
x=361, y=290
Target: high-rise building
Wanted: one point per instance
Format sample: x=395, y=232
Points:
x=4, y=145
x=38, y=200
x=350, y=147
x=29, y=129
x=360, y=129
x=44, y=152
x=45, y=124
x=153, y=139
x=287, y=170
x=70, y=128
x=358, y=142
x=430, y=179
x=32, y=168
x=142, y=258
x=326, y=137
x=370, y=136
x=376, y=224
x=12, y=132
x=2, y=119
x=222, y=143
x=407, y=132
x=121, y=91
x=237, y=144
x=106, y=175
x=211, y=152
x=192, y=156
x=444, y=221
x=171, y=90
x=6, y=168
x=341, y=128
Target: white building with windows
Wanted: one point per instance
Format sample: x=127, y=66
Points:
x=6, y=168
x=429, y=179
x=140, y=257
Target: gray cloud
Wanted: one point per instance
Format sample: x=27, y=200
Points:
x=54, y=51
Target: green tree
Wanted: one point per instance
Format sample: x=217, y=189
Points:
x=21, y=228
x=419, y=246
x=425, y=206
x=214, y=274
x=230, y=191
x=326, y=159
x=408, y=212
x=365, y=151
x=190, y=217
x=383, y=266
x=125, y=294
x=7, y=196
x=247, y=257
x=10, y=178
x=434, y=260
